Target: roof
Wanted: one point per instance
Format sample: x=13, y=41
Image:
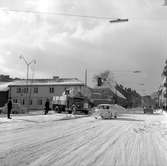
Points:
x=105, y=104
x=4, y=86
x=100, y=90
x=72, y=81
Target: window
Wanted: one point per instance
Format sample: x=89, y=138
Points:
x=39, y=102
x=14, y=100
x=23, y=102
x=25, y=90
x=18, y=90
x=35, y=90
x=67, y=91
x=30, y=102
x=51, y=90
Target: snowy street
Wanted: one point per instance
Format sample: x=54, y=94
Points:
x=131, y=140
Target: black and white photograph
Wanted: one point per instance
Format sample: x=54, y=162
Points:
x=83, y=82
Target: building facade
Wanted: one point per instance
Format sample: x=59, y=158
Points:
x=34, y=93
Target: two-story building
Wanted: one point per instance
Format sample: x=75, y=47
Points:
x=33, y=93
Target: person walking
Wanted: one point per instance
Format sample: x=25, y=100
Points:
x=74, y=109
x=9, y=106
x=47, y=104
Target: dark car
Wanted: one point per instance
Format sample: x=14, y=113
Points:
x=148, y=110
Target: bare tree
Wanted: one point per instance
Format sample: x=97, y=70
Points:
x=107, y=79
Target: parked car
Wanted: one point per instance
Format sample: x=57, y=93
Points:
x=148, y=110
x=16, y=109
x=106, y=111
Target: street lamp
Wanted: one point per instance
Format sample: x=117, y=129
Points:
x=137, y=71
x=119, y=20
x=28, y=65
x=128, y=71
x=141, y=84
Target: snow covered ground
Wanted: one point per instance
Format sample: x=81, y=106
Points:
x=52, y=140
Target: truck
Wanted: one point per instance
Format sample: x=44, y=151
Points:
x=74, y=104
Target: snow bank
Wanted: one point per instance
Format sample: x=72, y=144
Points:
x=118, y=108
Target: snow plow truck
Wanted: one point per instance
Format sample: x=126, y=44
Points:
x=71, y=104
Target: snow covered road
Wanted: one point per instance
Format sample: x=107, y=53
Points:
x=131, y=140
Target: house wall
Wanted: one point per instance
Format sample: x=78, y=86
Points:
x=37, y=100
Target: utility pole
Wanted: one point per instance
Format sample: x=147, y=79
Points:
x=27, y=78
x=86, y=77
x=119, y=20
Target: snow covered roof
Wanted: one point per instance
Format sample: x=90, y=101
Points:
x=72, y=81
x=99, y=90
x=116, y=92
x=4, y=86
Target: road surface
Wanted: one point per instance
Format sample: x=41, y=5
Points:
x=131, y=140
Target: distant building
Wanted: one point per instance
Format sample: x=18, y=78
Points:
x=35, y=92
x=7, y=78
x=148, y=101
x=107, y=95
x=105, y=91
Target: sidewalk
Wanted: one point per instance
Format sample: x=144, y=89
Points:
x=39, y=117
x=22, y=122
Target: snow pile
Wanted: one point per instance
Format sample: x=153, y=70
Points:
x=118, y=108
x=158, y=111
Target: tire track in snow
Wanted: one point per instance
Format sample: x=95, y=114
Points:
x=26, y=148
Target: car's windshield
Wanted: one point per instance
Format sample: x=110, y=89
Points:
x=104, y=107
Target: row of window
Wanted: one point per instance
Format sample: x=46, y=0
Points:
x=31, y=102
x=35, y=90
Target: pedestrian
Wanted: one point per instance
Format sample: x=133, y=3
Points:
x=73, y=108
x=9, y=106
x=47, y=104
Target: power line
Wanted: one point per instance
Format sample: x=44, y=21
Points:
x=58, y=14
x=116, y=19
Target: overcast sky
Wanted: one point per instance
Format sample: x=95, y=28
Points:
x=66, y=46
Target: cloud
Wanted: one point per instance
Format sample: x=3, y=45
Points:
x=65, y=46
x=165, y=3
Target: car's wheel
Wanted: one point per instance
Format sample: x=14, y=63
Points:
x=86, y=112
x=69, y=111
x=102, y=116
